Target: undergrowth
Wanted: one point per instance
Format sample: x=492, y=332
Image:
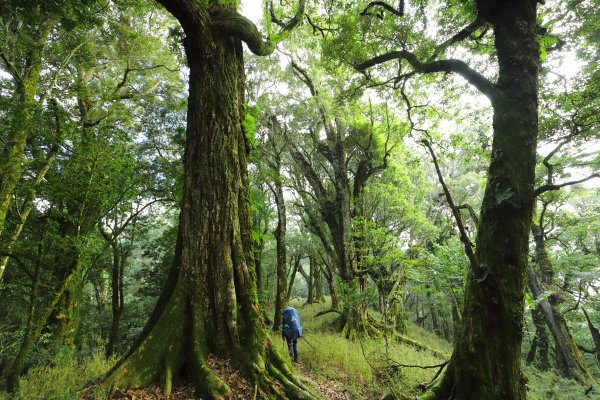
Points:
x=364, y=369
x=66, y=379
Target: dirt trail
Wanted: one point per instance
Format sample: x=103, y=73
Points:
x=329, y=390
x=241, y=388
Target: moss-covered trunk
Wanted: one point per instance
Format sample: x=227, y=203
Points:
x=569, y=361
x=209, y=305
x=35, y=328
x=24, y=63
x=280, y=236
x=292, y=278
x=539, y=345
x=486, y=362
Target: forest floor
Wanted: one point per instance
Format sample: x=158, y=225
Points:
x=241, y=388
x=334, y=367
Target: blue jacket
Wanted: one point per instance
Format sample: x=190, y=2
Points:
x=291, y=324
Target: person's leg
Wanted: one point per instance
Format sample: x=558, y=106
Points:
x=295, y=348
x=291, y=347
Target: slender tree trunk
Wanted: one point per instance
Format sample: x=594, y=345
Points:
x=540, y=341
x=486, y=362
x=292, y=277
x=595, y=335
x=318, y=279
x=26, y=208
x=33, y=331
x=12, y=380
x=569, y=360
x=25, y=107
x=281, y=295
x=117, y=305
x=330, y=278
x=310, y=282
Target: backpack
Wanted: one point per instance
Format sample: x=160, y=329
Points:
x=292, y=329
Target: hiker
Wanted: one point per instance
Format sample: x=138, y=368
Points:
x=291, y=330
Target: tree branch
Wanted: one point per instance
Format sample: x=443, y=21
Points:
x=472, y=212
x=10, y=68
x=463, y=233
x=547, y=188
x=480, y=82
x=397, y=12
x=460, y=36
x=234, y=24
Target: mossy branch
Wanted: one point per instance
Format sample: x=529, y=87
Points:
x=234, y=24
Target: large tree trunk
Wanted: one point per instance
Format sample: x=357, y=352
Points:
x=209, y=305
x=486, y=362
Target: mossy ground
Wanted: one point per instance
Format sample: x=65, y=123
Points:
x=350, y=369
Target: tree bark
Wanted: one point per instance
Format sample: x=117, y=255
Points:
x=117, y=297
x=540, y=341
x=318, y=280
x=280, y=232
x=569, y=361
x=310, y=282
x=209, y=305
x=486, y=362
x=292, y=278
x=568, y=357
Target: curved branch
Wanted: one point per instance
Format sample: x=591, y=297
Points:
x=399, y=12
x=480, y=82
x=234, y=24
x=547, y=188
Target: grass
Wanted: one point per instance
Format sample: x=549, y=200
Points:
x=355, y=368
x=549, y=386
x=359, y=365
x=65, y=380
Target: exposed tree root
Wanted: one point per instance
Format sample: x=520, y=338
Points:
x=169, y=349
x=354, y=323
x=331, y=310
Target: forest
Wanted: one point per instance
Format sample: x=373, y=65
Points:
x=419, y=179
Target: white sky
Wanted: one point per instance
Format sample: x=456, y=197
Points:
x=252, y=9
